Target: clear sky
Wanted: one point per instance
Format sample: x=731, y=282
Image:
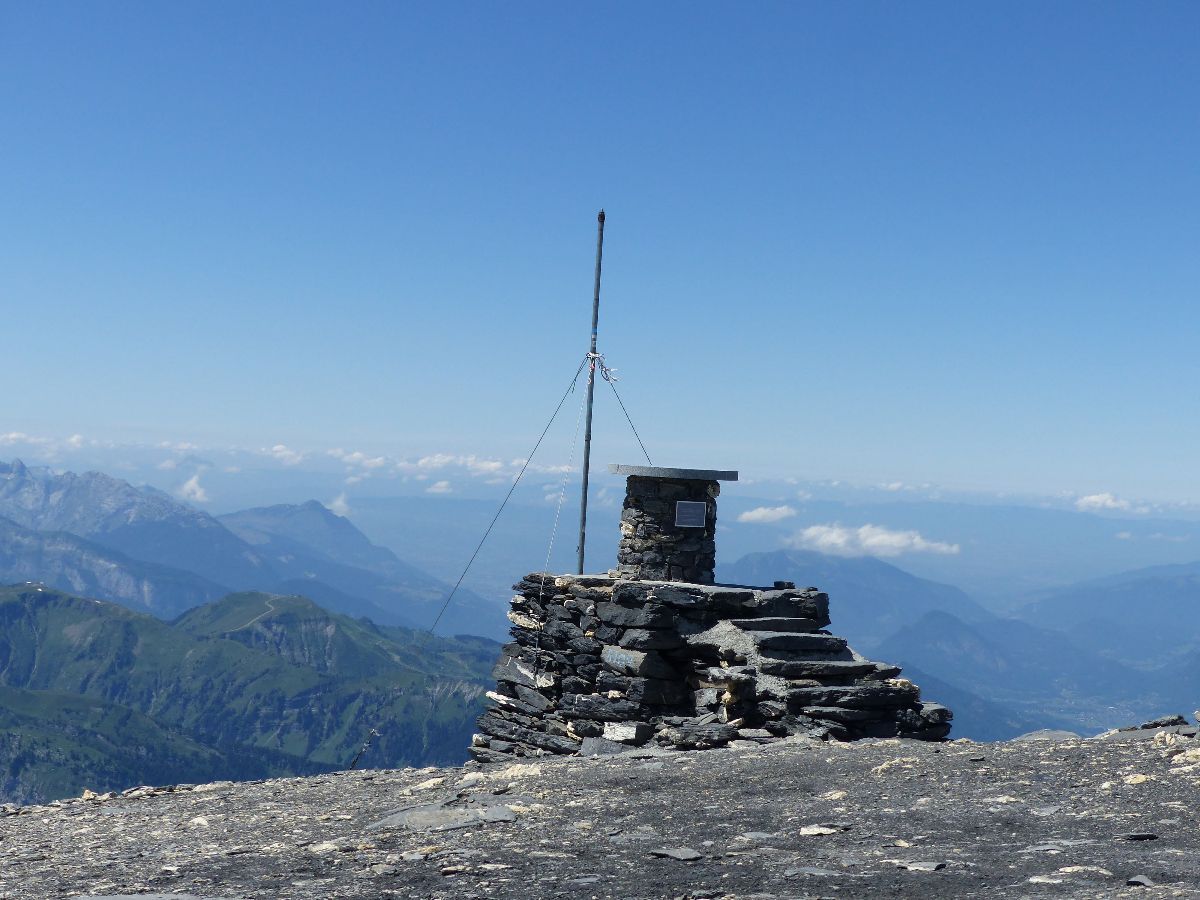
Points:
x=878, y=241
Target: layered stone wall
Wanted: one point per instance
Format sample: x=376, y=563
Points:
x=652, y=546
x=598, y=664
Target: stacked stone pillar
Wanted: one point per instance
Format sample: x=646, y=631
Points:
x=669, y=523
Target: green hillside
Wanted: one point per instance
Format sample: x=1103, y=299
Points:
x=298, y=630
x=250, y=685
x=54, y=745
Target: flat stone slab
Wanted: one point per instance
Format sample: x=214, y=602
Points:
x=680, y=474
x=777, y=623
x=791, y=640
x=836, y=668
x=479, y=810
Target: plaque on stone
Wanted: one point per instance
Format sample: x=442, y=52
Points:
x=690, y=514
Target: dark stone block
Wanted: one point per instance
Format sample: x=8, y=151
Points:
x=487, y=755
x=574, y=684
x=502, y=728
x=514, y=705
x=646, y=664
x=521, y=671
x=562, y=631
x=648, y=639
x=866, y=695
x=587, y=728
x=844, y=715
x=784, y=641
x=584, y=646
x=733, y=676
x=532, y=698
x=649, y=691
x=589, y=672
x=595, y=706
x=699, y=737
x=598, y=746
x=936, y=714
x=772, y=709
x=650, y=616
x=816, y=668
x=607, y=634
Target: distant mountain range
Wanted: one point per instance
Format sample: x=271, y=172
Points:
x=100, y=536
x=1141, y=617
x=95, y=695
x=72, y=563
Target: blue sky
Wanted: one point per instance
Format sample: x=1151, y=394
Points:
x=875, y=242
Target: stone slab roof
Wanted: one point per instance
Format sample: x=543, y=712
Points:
x=664, y=472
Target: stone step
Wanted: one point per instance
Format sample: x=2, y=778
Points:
x=791, y=640
x=845, y=715
x=777, y=623
x=867, y=695
x=816, y=668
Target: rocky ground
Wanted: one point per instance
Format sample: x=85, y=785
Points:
x=799, y=818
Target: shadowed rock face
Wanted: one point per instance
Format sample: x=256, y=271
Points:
x=798, y=818
x=598, y=664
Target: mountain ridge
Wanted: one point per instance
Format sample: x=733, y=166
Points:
x=142, y=547
x=258, y=683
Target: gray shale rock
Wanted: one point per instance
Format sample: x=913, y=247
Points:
x=588, y=828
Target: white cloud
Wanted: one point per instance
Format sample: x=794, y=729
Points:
x=475, y=465
x=866, y=540
x=284, y=454
x=1124, y=535
x=20, y=437
x=436, y=461
x=168, y=464
x=75, y=441
x=762, y=514
x=192, y=490
x=439, y=487
x=893, y=486
x=1093, y=502
x=338, y=505
x=493, y=471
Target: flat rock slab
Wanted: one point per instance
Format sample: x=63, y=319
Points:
x=442, y=818
x=892, y=818
x=776, y=623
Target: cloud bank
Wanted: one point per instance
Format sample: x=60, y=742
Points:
x=867, y=540
x=1105, y=500
x=763, y=514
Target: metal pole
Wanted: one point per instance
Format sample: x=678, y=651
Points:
x=591, y=387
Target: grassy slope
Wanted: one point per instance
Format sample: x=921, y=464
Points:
x=252, y=674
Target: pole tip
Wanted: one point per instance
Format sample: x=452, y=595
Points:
x=600, y=218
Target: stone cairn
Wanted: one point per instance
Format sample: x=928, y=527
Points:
x=602, y=663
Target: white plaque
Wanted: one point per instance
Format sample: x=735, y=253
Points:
x=690, y=514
